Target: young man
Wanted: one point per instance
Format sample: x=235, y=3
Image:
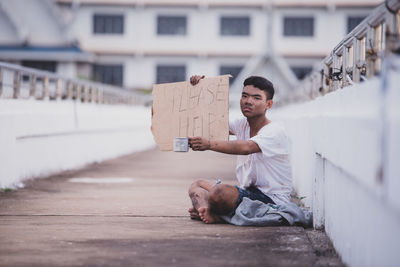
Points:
x=263, y=168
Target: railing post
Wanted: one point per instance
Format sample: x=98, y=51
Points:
x=328, y=74
x=324, y=80
x=341, y=70
x=337, y=73
x=345, y=63
x=45, y=93
x=379, y=42
x=94, y=94
x=32, y=85
x=17, y=84
x=393, y=31
x=1, y=81
x=371, y=54
x=78, y=93
x=318, y=84
x=357, y=60
x=104, y=97
x=348, y=63
x=70, y=88
x=312, y=86
x=59, y=89
x=361, y=63
x=86, y=95
x=100, y=96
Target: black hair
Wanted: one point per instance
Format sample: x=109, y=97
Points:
x=262, y=84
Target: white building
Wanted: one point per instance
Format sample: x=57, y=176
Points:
x=136, y=43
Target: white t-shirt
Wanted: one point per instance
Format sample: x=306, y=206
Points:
x=268, y=170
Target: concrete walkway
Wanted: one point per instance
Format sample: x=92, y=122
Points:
x=143, y=221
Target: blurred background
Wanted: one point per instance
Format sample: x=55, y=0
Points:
x=137, y=43
x=102, y=57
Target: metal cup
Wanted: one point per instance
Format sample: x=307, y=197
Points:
x=181, y=144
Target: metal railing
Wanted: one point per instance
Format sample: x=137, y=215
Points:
x=18, y=82
x=357, y=57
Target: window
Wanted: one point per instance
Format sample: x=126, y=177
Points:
x=171, y=25
x=108, y=24
x=235, y=26
x=298, y=26
x=352, y=22
x=232, y=70
x=40, y=65
x=301, y=72
x=169, y=73
x=110, y=74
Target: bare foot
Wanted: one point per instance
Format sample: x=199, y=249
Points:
x=194, y=214
x=207, y=217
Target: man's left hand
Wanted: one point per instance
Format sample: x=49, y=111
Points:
x=199, y=143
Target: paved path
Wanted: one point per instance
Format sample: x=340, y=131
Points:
x=56, y=222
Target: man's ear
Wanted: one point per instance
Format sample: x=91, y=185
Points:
x=269, y=103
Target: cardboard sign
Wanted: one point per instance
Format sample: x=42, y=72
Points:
x=183, y=110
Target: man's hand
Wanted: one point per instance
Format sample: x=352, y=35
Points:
x=199, y=143
x=195, y=79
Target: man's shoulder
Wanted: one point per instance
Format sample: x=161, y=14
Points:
x=239, y=123
x=239, y=120
x=273, y=128
x=273, y=140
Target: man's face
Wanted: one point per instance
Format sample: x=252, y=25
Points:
x=254, y=102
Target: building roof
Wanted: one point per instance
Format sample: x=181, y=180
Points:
x=43, y=53
x=229, y=3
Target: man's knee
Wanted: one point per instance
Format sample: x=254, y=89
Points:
x=195, y=185
x=204, y=184
x=222, y=199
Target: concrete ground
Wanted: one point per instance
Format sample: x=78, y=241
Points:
x=142, y=222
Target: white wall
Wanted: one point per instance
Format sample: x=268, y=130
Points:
x=203, y=26
x=330, y=26
x=38, y=138
x=140, y=30
x=140, y=49
x=338, y=147
x=67, y=69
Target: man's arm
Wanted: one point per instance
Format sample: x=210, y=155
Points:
x=237, y=147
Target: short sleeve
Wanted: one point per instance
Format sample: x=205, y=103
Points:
x=234, y=126
x=272, y=141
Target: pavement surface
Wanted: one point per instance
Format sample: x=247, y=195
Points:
x=141, y=221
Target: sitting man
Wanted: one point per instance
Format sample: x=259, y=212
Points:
x=263, y=167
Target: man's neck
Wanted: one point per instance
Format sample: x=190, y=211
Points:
x=256, y=123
